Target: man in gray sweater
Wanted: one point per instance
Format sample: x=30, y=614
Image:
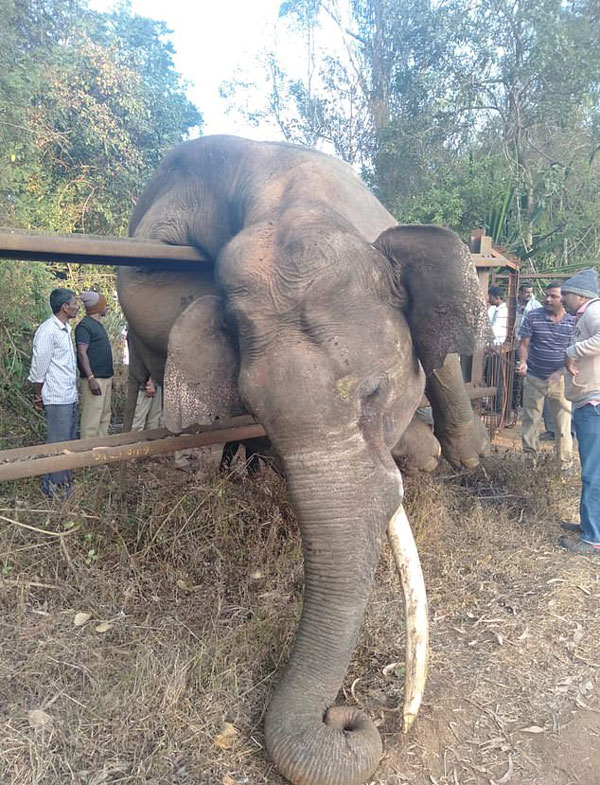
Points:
x=582, y=387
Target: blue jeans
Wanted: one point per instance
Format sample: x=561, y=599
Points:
x=61, y=420
x=586, y=420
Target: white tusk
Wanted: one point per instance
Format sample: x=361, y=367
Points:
x=415, y=604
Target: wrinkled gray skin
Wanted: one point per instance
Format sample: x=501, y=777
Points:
x=303, y=320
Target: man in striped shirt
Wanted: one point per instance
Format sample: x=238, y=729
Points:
x=53, y=373
x=544, y=338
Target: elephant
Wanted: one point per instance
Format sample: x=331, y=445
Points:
x=325, y=319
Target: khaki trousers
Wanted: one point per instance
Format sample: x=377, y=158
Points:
x=148, y=411
x=535, y=392
x=95, y=409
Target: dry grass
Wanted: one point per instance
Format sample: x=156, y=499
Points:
x=200, y=583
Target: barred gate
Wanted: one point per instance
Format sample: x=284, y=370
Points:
x=502, y=409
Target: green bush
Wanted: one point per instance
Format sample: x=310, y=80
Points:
x=25, y=288
x=24, y=304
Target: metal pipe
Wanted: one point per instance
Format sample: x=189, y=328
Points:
x=126, y=450
x=127, y=437
x=95, y=249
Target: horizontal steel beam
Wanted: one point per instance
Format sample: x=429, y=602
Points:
x=122, y=251
x=94, y=249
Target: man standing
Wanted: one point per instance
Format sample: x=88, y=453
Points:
x=94, y=358
x=148, y=407
x=526, y=301
x=495, y=362
x=498, y=314
x=582, y=362
x=544, y=338
x=54, y=376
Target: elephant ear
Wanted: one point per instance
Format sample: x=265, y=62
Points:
x=202, y=368
x=444, y=307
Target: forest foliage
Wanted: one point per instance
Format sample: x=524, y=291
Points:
x=89, y=104
x=467, y=113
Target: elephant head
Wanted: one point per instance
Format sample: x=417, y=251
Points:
x=326, y=334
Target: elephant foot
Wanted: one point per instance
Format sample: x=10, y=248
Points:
x=418, y=450
x=464, y=446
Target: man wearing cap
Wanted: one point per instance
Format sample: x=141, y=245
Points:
x=582, y=361
x=54, y=377
x=94, y=358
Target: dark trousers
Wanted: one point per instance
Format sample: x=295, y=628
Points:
x=61, y=421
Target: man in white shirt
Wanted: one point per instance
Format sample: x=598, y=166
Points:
x=494, y=371
x=498, y=314
x=54, y=376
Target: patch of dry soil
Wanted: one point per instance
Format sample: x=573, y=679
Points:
x=194, y=590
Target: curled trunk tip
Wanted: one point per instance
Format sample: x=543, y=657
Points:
x=341, y=748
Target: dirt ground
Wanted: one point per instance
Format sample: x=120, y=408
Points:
x=140, y=640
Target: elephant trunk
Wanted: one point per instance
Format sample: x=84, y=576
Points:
x=343, y=507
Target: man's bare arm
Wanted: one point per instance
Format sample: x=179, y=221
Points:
x=84, y=361
x=523, y=355
x=37, y=396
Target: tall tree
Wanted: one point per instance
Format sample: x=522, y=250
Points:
x=463, y=113
x=536, y=68
x=92, y=102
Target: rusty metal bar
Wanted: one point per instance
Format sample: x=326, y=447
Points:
x=81, y=445
x=95, y=249
x=114, y=453
x=473, y=391
x=480, y=392
x=129, y=251
x=46, y=458
x=548, y=275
